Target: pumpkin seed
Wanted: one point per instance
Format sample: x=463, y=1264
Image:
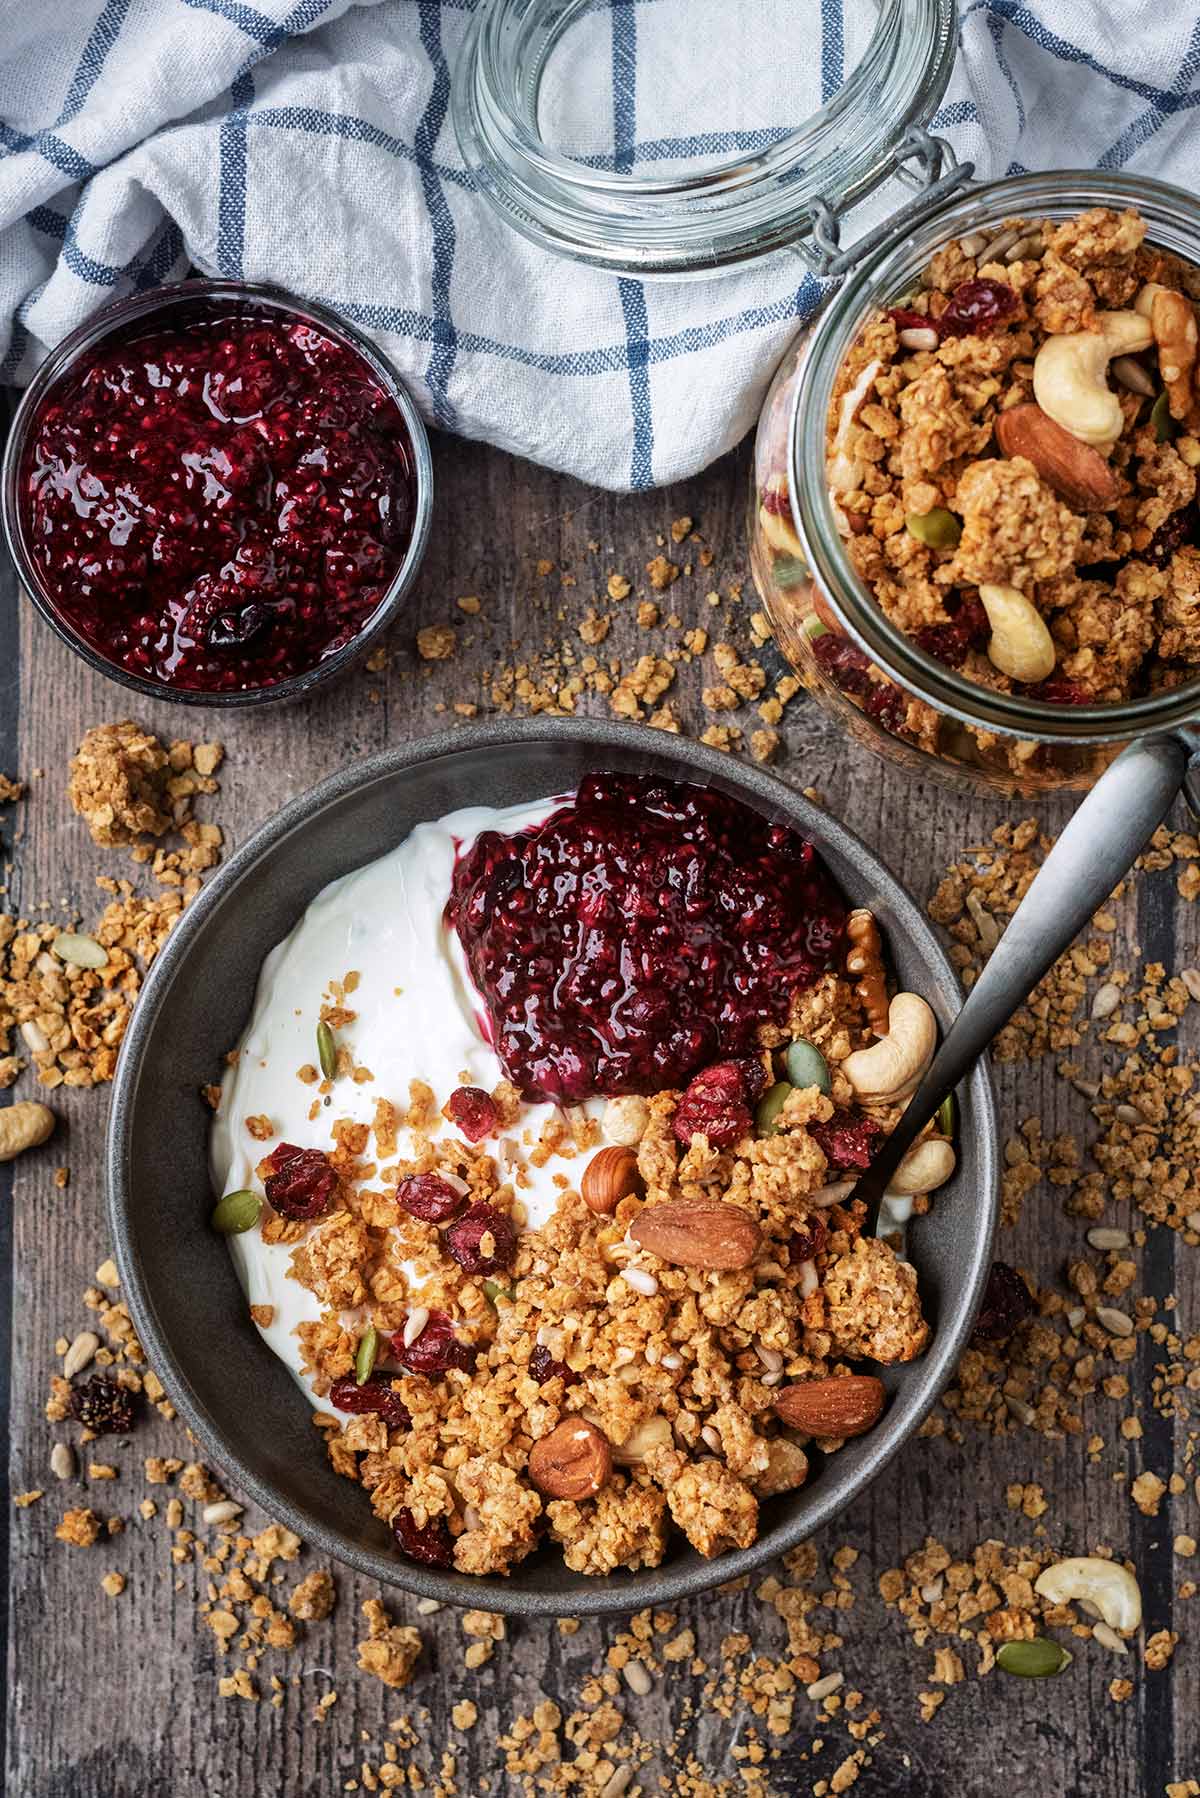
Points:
x=326, y=1050
x=1160, y=418
x=807, y=1066
x=1032, y=1660
x=236, y=1213
x=812, y=628
x=944, y=1118
x=938, y=529
x=364, y=1360
x=766, y=1112
x=495, y=1291
x=80, y=951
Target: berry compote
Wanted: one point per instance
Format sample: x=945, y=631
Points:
x=644, y=930
x=218, y=498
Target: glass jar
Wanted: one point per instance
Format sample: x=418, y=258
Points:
x=824, y=617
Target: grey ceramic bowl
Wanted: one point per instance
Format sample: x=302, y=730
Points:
x=179, y=1278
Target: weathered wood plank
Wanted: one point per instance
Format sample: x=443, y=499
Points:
x=109, y=1697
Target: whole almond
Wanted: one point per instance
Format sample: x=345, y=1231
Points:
x=707, y=1236
x=573, y=1461
x=1077, y=472
x=608, y=1178
x=833, y=1407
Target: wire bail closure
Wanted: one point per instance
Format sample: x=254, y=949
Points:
x=936, y=173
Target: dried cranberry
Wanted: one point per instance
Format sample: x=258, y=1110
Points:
x=543, y=1367
x=376, y=1394
x=905, y=319
x=1007, y=1302
x=435, y=1349
x=302, y=1183
x=950, y=642
x=847, y=1141
x=184, y=484
x=103, y=1406
x=717, y=1102
x=847, y=667
x=645, y=929
x=464, y=1239
x=1181, y=527
x=429, y=1197
x=472, y=1111
x=1058, y=690
x=431, y=1546
x=806, y=1244
x=977, y=307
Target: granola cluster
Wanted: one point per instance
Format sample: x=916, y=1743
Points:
x=570, y=1380
x=65, y=998
x=1012, y=460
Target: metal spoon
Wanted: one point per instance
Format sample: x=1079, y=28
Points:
x=1097, y=848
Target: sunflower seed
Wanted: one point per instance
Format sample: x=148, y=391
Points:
x=1108, y=1239
x=620, y=1782
x=80, y=951
x=326, y=1050
x=672, y=1362
x=993, y=251
x=35, y=1037
x=1129, y=1114
x=1076, y=1316
x=1117, y=1323
x=1192, y=1220
x=1106, y=1001
x=1088, y=1089
x=62, y=1461
x=224, y=1511
x=1107, y=1635
x=1132, y=376
x=918, y=337
x=1020, y=1410
x=971, y=246
x=236, y=1213
x=711, y=1437
x=641, y=1281
x=1191, y=979
x=771, y=1358
x=821, y=1688
x=1026, y=249
x=428, y=1607
x=637, y=1679
x=414, y=1323
x=80, y=1353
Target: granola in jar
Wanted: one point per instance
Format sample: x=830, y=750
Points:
x=1011, y=454
x=566, y=1265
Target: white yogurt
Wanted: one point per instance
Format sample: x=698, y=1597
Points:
x=417, y=1019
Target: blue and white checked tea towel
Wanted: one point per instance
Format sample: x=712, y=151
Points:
x=307, y=142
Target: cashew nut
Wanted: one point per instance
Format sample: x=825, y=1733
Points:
x=891, y=1068
x=1069, y=376
x=1020, y=644
x=927, y=1166
x=1090, y=1580
x=23, y=1126
x=654, y=1433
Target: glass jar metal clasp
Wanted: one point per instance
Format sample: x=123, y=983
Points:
x=935, y=173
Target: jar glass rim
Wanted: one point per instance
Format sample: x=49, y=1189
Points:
x=113, y=317
x=885, y=276
x=732, y=209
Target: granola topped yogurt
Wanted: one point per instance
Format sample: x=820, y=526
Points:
x=536, y=1162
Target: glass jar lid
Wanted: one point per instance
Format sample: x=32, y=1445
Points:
x=620, y=134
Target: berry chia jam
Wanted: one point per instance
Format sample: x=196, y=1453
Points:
x=218, y=498
x=644, y=929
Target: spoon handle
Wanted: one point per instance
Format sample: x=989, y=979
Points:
x=1098, y=847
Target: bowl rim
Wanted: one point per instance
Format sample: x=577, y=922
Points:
x=147, y=304
x=653, y=1586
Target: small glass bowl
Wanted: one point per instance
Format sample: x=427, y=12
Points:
x=997, y=742
x=156, y=307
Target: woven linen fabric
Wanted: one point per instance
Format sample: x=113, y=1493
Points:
x=309, y=144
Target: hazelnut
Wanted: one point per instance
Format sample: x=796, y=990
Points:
x=608, y=1178
x=573, y=1461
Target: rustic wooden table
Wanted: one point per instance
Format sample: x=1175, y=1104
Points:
x=108, y=1697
